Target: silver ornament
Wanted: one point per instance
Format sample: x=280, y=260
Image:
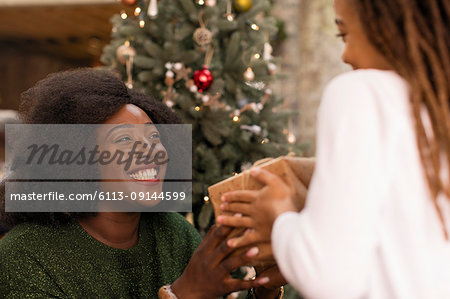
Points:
x=193, y=88
x=152, y=11
x=170, y=74
x=267, y=53
x=178, y=66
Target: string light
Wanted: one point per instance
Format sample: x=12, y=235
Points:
x=123, y=15
x=206, y=198
x=291, y=138
x=235, y=118
x=197, y=108
x=254, y=27
x=137, y=11
x=141, y=23
x=201, y=2
x=235, y=173
x=257, y=56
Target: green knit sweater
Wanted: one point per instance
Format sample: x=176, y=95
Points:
x=38, y=261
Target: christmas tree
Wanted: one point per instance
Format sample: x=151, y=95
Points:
x=211, y=61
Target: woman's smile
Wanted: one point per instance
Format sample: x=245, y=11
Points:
x=147, y=175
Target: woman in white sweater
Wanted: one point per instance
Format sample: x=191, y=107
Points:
x=377, y=217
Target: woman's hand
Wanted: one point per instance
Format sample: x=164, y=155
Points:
x=262, y=256
x=272, y=288
x=258, y=209
x=208, y=273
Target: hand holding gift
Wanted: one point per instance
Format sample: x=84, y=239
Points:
x=257, y=209
x=295, y=172
x=281, y=183
x=256, y=198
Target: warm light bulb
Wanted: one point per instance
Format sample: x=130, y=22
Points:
x=197, y=108
x=257, y=56
x=235, y=118
x=206, y=198
x=254, y=27
x=201, y=2
x=141, y=23
x=123, y=15
x=291, y=138
x=137, y=11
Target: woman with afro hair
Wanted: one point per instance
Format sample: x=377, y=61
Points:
x=109, y=254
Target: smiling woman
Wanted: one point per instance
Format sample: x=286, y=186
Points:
x=147, y=161
x=106, y=254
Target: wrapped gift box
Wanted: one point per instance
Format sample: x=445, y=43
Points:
x=284, y=167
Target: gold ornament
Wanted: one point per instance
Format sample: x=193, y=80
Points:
x=242, y=5
x=202, y=36
x=125, y=52
x=212, y=101
x=183, y=73
x=125, y=55
x=169, y=96
x=249, y=75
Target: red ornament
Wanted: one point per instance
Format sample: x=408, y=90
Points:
x=203, y=78
x=129, y=2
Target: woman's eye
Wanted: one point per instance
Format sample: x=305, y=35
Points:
x=122, y=139
x=154, y=136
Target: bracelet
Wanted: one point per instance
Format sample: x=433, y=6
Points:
x=165, y=292
x=251, y=294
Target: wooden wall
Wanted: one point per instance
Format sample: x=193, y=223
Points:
x=21, y=68
x=36, y=40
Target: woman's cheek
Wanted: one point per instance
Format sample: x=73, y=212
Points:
x=161, y=150
x=345, y=53
x=348, y=56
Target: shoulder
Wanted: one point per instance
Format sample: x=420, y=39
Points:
x=21, y=255
x=361, y=87
x=24, y=236
x=175, y=225
x=364, y=95
x=176, y=239
x=32, y=240
x=367, y=78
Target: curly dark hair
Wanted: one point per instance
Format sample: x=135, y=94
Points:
x=81, y=96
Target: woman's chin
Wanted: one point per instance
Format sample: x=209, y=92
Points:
x=144, y=193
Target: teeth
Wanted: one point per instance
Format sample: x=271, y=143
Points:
x=146, y=174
